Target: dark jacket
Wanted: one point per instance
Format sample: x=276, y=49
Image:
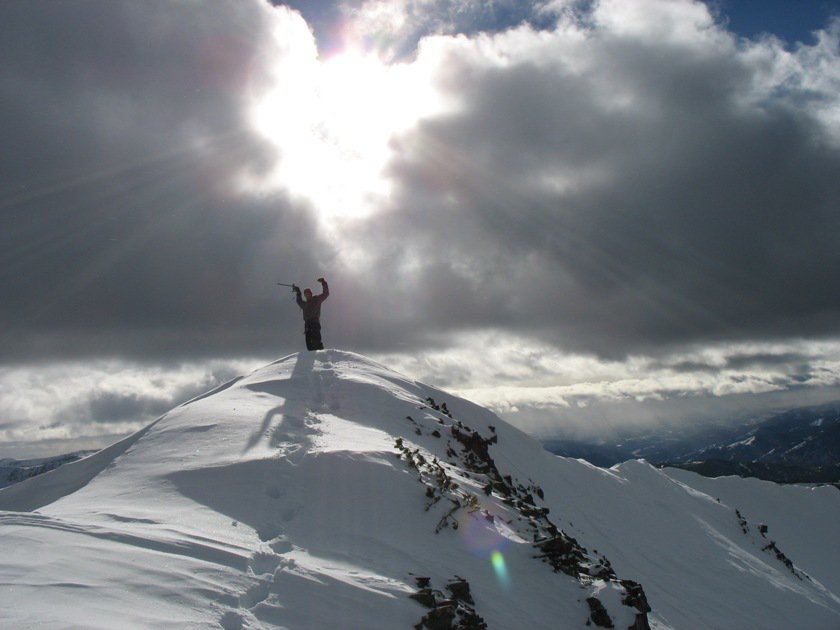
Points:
x=312, y=307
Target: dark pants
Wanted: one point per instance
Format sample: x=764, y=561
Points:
x=312, y=330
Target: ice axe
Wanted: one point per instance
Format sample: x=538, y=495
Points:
x=284, y=284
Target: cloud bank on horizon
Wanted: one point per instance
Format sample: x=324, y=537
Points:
x=625, y=201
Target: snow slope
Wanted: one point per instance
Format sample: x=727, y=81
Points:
x=324, y=490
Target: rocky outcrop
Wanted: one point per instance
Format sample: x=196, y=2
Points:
x=454, y=611
x=468, y=454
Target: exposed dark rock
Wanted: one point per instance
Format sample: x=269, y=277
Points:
x=455, y=613
x=460, y=590
x=641, y=622
x=556, y=548
x=425, y=596
x=782, y=558
x=563, y=553
x=771, y=547
x=440, y=618
x=742, y=522
x=598, y=614
x=634, y=595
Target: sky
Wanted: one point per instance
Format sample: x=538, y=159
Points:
x=591, y=216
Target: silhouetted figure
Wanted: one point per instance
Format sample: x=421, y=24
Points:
x=311, y=307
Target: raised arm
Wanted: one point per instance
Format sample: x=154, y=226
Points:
x=325, y=289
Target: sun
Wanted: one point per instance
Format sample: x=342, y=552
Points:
x=332, y=121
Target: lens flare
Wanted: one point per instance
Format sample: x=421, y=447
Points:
x=487, y=536
x=499, y=566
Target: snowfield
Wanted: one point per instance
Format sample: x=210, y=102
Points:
x=326, y=491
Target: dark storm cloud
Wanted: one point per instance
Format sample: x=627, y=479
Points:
x=761, y=359
x=600, y=191
x=739, y=361
x=116, y=407
x=648, y=201
x=123, y=131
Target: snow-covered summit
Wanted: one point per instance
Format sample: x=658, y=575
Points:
x=326, y=491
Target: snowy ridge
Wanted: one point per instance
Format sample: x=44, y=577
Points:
x=14, y=471
x=324, y=490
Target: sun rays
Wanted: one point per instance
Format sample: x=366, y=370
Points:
x=332, y=121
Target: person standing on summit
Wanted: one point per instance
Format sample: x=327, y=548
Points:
x=311, y=308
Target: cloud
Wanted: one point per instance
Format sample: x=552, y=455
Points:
x=98, y=401
x=546, y=392
x=553, y=393
x=589, y=201
x=393, y=28
x=127, y=133
x=598, y=185
x=615, y=192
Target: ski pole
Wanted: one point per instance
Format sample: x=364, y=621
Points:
x=283, y=284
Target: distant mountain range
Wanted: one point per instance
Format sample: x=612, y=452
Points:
x=797, y=446
x=14, y=470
